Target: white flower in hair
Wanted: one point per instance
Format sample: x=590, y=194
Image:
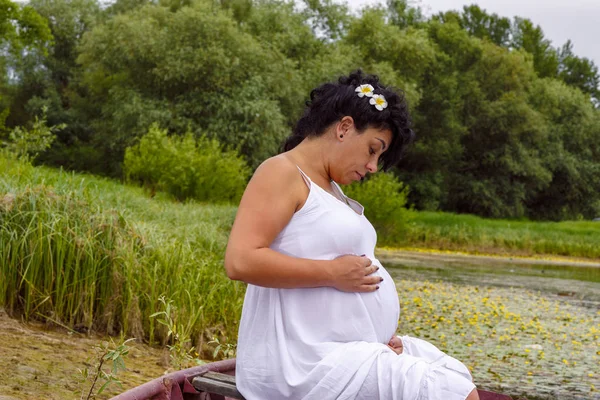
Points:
x=378, y=101
x=365, y=90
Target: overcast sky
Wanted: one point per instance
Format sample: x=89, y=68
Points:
x=578, y=20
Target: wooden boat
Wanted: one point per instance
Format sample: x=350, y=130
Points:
x=214, y=381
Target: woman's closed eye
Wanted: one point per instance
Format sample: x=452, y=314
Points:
x=371, y=151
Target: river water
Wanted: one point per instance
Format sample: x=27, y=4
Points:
x=530, y=329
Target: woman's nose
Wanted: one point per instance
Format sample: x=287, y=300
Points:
x=372, y=166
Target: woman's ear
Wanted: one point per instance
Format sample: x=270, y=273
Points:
x=344, y=127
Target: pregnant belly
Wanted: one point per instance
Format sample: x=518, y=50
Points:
x=325, y=314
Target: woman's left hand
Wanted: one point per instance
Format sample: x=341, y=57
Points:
x=395, y=344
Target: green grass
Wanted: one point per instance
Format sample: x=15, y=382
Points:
x=86, y=251
x=447, y=231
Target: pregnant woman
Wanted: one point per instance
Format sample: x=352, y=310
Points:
x=321, y=312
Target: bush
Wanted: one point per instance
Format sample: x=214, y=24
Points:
x=27, y=144
x=384, y=199
x=186, y=168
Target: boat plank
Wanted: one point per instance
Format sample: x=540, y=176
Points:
x=220, y=377
x=211, y=385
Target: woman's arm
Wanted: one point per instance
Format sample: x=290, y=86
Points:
x=272, y=196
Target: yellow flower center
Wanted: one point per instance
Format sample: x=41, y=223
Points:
x=366, y=90
x=379, y=101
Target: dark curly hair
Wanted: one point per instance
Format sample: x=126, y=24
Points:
x=330, y=102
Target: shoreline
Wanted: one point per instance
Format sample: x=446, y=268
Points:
x=414, y=254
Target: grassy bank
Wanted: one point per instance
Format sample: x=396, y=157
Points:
x=446, y=231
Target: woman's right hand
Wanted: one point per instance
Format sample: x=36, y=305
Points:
x=350, y=273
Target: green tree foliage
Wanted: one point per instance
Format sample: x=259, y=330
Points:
x=531, y=38
x=277, y=26
x=399, y=56
x=505, y=121
x=123, y=6
x=485, y=26
x=27, y=143
x=22, y=31
x=192, y=67
x=500, y=163
x=327, y=18
x=403, y=15
x=21, y=27
x=571, y=152
x=578, y=72
x=52, y=80
x=186, y=167
x=3, y=116
x=522, y=33
x=483, y=137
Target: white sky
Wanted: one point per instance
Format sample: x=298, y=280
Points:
x=578, y=20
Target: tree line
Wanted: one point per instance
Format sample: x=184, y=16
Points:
x=507, y=125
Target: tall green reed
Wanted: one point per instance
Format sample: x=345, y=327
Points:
x=88, y=252
x=61, y=256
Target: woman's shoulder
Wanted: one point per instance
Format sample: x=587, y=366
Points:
x=279, y=167
x=279, y=177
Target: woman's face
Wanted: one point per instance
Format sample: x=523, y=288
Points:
x=358, y=153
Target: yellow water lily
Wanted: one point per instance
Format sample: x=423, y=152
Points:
x=378, y=101
x=365, y=90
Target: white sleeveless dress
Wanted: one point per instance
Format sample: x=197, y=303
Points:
x=322, y=343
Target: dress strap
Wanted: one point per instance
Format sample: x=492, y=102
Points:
x=305, y=177
x=355, y=205
x=339, y=192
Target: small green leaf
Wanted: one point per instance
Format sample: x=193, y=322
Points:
x=104, y=386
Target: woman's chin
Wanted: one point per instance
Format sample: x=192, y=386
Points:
x=348, y=179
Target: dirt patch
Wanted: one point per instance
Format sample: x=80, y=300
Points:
x=39, y=362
